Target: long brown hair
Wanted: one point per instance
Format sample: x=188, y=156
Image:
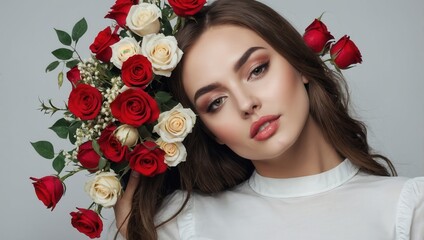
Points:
x=211, y=167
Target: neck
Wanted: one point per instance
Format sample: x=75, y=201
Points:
x=310, y=154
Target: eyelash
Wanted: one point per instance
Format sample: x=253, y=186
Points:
x=262, y=69
x=255, y=74
x=212, y=106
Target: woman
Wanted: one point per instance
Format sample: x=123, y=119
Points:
x=276, y=154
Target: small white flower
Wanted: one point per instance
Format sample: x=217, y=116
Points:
x=162, y=51
x=143, y=19
x=174, y=152
x=124, y=49
x=174, y=125
x=104, y=189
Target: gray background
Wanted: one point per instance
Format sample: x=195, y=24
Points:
x=386, y=92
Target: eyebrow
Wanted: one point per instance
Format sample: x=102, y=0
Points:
x=244, y=57
x=205, y=89
x=242, y=60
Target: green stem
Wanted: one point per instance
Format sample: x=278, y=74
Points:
x=71, y=173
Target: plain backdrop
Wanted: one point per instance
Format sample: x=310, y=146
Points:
x=387, y=92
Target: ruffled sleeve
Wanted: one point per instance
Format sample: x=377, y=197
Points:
x=410, y=212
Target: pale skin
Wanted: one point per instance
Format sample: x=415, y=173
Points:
x=235, y=79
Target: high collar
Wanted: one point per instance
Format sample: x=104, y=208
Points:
x=303, y=186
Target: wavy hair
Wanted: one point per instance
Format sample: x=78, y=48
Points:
x=211, y=167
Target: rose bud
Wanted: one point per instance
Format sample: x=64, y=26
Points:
x=49, y=190
x=88, y=157
x=110, y=146
x=88, y=222
x=317, y=37
x=74, y=76
x=345, y=53
x=127, y=135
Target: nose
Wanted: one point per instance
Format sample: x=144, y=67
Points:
x=247, y=102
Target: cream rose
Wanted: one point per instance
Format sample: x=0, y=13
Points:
x=174, y=152
x=162, y=51
x=143, y=19
x=174, y=125
x=104, y=189
x=127, y=135
x=124, y=49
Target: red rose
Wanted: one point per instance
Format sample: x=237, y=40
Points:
x=101, y=45
x=74, y=75
x=88, y=157
x=137, y=71
x=88, y=222
x=119, y=11
x=85, y=101
x=111, y=147
x=135, y=107
x=345, y=53
x=186, y=8
x=148, y=159
x=49, y=190
x=317, y=36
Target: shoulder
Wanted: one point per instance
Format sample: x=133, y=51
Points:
x=410, y=215
x=386, y=189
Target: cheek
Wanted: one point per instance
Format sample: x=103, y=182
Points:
x=225, y=128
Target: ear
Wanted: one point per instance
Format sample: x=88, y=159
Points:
x=304, y=79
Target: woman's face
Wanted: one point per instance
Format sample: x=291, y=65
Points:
x=247, y=94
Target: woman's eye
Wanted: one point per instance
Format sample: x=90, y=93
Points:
x=258, y=71
x=215, y=104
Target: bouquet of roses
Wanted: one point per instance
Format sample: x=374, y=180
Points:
x=343, y=53
x=119, y=116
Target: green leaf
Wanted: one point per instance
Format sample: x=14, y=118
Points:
x=96, y=147
x=60, y=79
x=64, y=37
x=73, y=130
x=72, y=63
x=79, y=29
x=61, y=128
x=102, y=163
x=63, y=53
x=52, y=66
x=162, y=97
x=44, y=148
x=59, y=163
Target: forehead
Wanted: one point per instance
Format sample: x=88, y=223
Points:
x=214, y=54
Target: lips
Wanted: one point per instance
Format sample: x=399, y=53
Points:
x=263, y=127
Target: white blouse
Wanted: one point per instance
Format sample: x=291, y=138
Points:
x=342, y=203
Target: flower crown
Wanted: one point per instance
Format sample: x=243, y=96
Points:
x=118, y=115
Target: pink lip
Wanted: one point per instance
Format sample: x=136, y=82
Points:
x=254, y=129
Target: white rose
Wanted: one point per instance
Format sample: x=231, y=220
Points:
x=174, y=125
x=127, y=135
x=124, y=49
x=174, y=152
x=143, y=19
x=104, y=189
x=162, y=51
